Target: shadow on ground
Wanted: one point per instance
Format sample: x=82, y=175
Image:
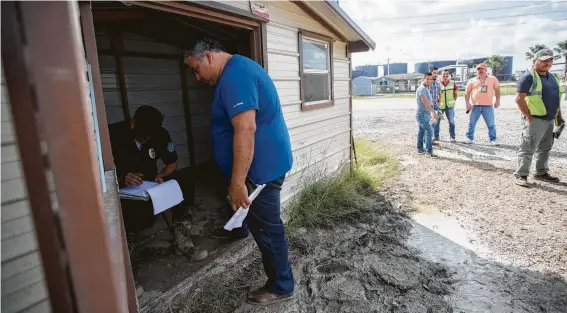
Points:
x=386, y=264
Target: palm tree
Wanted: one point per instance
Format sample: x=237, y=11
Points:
x=530, y=54
x=495, y=62
x=561, y=52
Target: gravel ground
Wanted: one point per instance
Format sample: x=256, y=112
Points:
x=521, y=227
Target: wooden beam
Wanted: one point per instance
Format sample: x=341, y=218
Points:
x=358, y=46
x=197, y=12
x=107, y=15
x=92, y=57
x=264, y=34
x=51, y=249
x=187, y=111
x=54, y=46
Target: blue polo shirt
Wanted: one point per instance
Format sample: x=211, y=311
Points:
x=244, y=85
x=422, y=91
x=549, y=92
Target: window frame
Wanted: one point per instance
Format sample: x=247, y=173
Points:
x=306, y=106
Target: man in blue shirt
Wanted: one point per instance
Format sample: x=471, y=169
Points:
x=252, y=146
x=425, y=111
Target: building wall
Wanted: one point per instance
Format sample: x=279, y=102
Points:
x=149, y=81
x=23, y=282
x=320, y=138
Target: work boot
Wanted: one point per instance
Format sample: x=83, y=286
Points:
x=546, y=177
x=221, y=233
x=264, y=297
x=184, y=243
x=522, y=181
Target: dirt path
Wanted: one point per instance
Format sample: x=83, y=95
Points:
x=473, y=184
x=452, y=234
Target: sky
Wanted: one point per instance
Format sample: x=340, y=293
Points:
x=418, y=31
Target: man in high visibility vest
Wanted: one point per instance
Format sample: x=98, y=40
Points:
x=448, y=98
x=538, y=97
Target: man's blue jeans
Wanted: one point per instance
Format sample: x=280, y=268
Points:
x=487, y=112
x=264, y=222
x=450, y=114
x=425, y=132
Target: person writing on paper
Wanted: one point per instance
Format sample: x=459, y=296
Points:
x=137, y=145
x=251, y=144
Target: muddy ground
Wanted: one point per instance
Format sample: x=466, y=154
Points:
x=452, y=234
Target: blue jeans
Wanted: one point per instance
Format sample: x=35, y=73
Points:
x=264, y=222
x=425, y=132
x=487, y=112
x=450, y=114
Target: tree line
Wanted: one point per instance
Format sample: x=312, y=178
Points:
x=497, y=62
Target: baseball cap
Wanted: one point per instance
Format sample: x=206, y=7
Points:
x=544, y=54
x=148, y=120
x=481, y=65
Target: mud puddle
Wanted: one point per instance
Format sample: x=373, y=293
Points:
x=480, y=285
x=391, y=263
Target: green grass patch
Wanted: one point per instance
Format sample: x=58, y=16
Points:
x=344, y=198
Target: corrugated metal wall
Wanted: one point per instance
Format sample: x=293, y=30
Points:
x=23, y=282
x=200, y=104
x=149, y=81
x=320, y=138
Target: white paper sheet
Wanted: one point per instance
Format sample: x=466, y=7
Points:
x=238, y=217
x=165, y=195
x=138, y=191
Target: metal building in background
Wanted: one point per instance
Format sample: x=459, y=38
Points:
x=362, y=86
x=503, y=74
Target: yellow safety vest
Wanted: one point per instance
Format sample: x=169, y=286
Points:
x=535, y=98
x=447, y=98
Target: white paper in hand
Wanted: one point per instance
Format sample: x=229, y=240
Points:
x=238, y=217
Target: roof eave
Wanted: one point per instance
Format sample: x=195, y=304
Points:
x=365, y=43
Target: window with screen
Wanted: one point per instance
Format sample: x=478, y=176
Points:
x=316, y=71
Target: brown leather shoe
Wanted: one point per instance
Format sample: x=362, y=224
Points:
x=264, y=297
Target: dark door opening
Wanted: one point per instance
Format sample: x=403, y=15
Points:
x=139, y=52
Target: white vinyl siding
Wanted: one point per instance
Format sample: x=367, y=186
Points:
x=320, y=138
x=23, y=282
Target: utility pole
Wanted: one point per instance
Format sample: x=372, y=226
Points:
x=388, y=66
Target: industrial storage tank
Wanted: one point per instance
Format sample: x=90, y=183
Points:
x=358, y=73
x=369, y=70
x=505, y=73
x=424, y=67
x=395, y=68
